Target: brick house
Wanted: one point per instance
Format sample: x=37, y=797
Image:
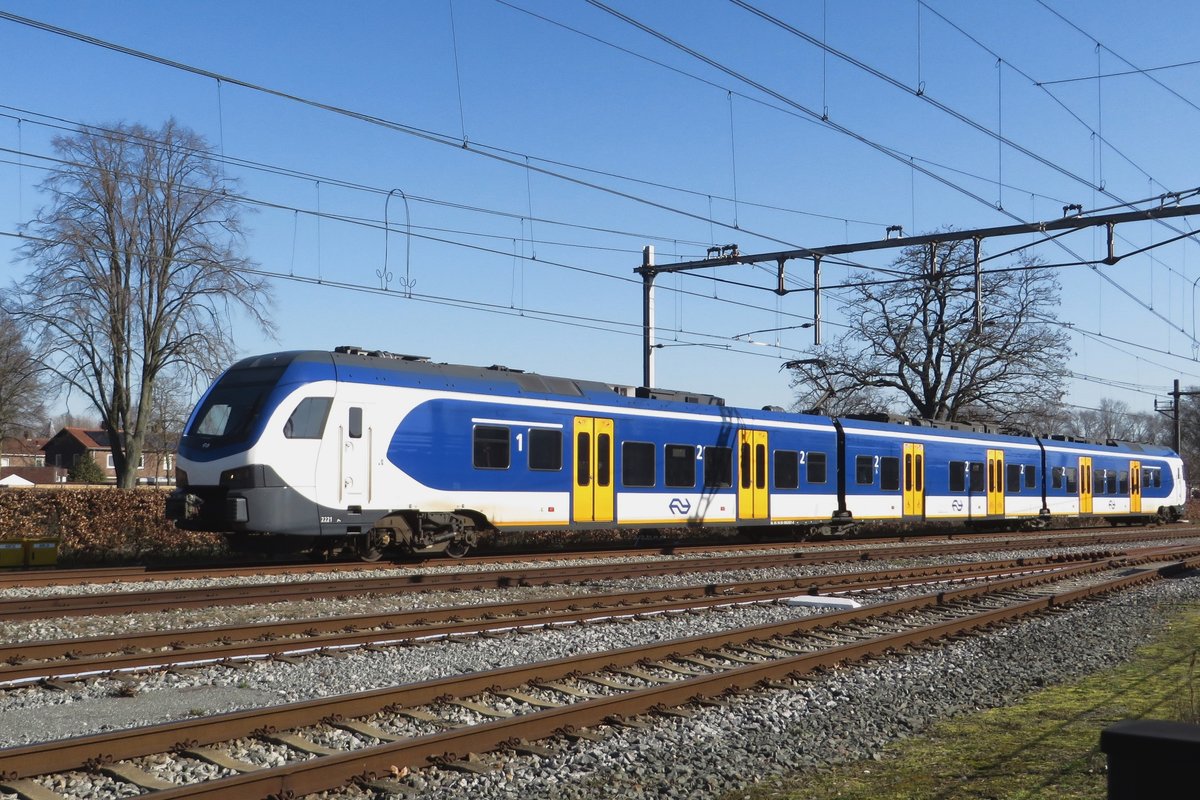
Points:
x=22, y=451
x=69, y=445
x=23, y=457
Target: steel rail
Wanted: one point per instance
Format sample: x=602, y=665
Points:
x=367, y=764
x=215, y=645
x=77, y=752
x=30, y=577
x=249, y=594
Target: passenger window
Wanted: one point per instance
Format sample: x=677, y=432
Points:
x=491, y=447
x=760, y=466
x=1014, y=478
x=545, y=449
x=1056, y=478
x=680, y=465
x=583, y=459
x=787, y=469
x=977, y=476
x=1071, y=475
x=1122, y=482
x=889, y=473
x=637, y=464
x=864, y=470
x=308, y=420
x=958, y=476
x=1030, y=476
x=718, y=467
x=1111, y=480
x=815, y=463
x=603, y=465
x=355, y=423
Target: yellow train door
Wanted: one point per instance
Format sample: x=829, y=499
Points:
x=1135, y=487
x=995, y=483
x=914, y=480
x=1085, y=485
x=593, y=495
x=752, y=474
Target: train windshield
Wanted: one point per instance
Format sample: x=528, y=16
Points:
x=234, y=404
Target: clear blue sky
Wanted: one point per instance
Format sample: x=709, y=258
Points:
x=673, y=138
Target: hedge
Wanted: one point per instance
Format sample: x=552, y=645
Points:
x=99, y=524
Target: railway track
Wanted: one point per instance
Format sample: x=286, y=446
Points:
x=366, y=737
x=111, y=603
x=69, y=659
x=1085, y=537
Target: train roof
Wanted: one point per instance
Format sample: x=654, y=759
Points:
x=380, y=366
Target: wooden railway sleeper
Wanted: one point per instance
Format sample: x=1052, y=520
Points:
x=218, y=757
x=481, y=709
x=129, y=773
x=641, y=675
x=29, y=789
x=367, y=729
x=298, y=742
x=527, y=699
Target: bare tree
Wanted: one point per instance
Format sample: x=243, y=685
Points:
x=135, y=270
x=24, y=388
x=1113, y=419
x=914, y=339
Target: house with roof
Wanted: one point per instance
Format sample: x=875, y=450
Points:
x=69, y=445
x=22, y=461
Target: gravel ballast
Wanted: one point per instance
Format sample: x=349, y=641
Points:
x=849, y=713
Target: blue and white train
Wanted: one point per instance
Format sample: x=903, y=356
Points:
x=372, y=451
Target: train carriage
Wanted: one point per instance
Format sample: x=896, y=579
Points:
x=374, y=450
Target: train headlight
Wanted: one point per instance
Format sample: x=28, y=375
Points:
x=241, y=477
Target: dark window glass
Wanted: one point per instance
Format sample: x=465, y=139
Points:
x=308, y=420
x=760, y=466
x=1100, y=485
x=718, y=467
x=583, y=459
x=977, y=478
x=355, y=427
x=908, y=472
x=545, y=449
x=1070, y=474
x=1014, y=478
x=232, y=407
x=787, y=469
x=1056, y=478
x=637, y=464
x=1030, y=476
x=1111, y=481
x=864, y=470
x=604, y=460
x=680, y=465
x=958, y=476
x=1122, y=482
x=920, y=476
x=815, y=463
x=491, y=447
x=889, y=473
x=744, y=465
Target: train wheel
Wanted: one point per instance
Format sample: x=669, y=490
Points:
x=373, y=543
x=457, y=548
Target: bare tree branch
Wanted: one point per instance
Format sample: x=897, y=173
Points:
x=135, y=269
x=912, y=346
